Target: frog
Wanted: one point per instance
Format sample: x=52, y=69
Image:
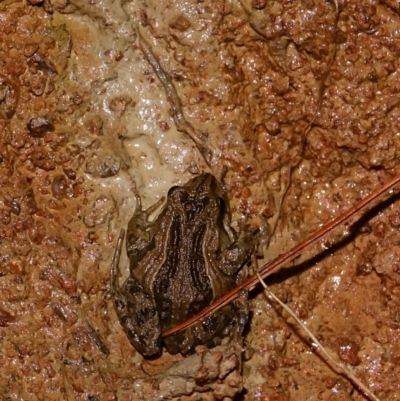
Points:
x=180, y=262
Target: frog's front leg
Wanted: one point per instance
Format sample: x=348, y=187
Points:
x=237, y=254
x=140, y=232
x=136, y=310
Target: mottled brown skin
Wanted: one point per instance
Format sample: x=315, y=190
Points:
x=180, y=263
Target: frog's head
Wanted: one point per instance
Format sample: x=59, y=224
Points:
x=201, y=197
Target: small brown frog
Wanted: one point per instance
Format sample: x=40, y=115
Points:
x=179, y=263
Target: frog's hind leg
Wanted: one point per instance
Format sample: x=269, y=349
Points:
x=139, y=318
x=241, y=305
x=135, y=310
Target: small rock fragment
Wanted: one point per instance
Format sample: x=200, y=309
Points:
x=39, y=126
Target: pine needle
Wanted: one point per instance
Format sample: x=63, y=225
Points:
x=338, y=367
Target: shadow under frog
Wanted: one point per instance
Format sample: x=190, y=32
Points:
x=180, y=263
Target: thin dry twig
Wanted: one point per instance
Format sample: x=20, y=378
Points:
x=338, y=367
